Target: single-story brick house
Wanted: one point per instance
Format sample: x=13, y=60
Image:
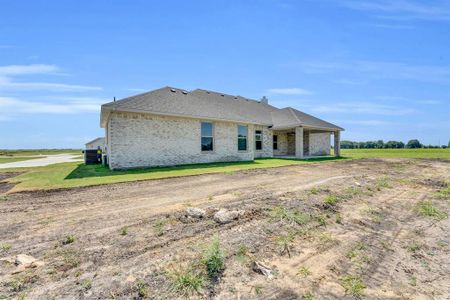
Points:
x=96, y=144
x=170, y=126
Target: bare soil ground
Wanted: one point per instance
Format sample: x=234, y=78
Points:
x=372, y=229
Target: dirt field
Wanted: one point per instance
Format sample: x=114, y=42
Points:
x=372, y=229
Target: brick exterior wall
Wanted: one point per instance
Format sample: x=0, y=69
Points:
x=144, y=140
x=282, y=143
x=319, y=143
x=267, y=148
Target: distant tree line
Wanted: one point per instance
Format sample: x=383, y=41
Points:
x=380, y=144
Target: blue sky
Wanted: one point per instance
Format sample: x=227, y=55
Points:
x=381, y=69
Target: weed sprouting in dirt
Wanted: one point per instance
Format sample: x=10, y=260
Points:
x=285, y=241
x=321, y=219
x=304, y=271
x=308, y=295
x=353, y=285
x=338, y=218
x=428, y=209
x=241, y=254
x=214, y=259
x=331, y=200
x=314, y=191
x=70, y=258
x=3, y=198
x=124, y=230
x=413, y=247
x=386, y=245
x=351, y=192
x=291, y=216
x=21, y=281
x=159, y=227
x=375, y=215
x=69, y=239
x=442, y=244
x=141, y=288
x=413, y=280
x=258, y=288
x=383, y=182
x=86, y=284
x=444, y=193
x=186, y=282
x=5, y=247
x=355, y=249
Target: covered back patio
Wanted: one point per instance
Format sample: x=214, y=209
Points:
x=304, y=142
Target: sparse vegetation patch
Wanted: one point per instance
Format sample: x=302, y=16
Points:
x=353, y=285
x=428, y=209
x=186, y=282
x=214, y=259
x=290, y=216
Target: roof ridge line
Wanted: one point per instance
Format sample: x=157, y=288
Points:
x=295, y=116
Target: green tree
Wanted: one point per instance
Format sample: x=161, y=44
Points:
x=413, y=144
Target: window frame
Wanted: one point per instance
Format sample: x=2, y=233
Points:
x=240, y=138
x=275, y=142
x=207, y=136
x=260, y=134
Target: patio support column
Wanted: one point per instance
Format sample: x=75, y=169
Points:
x=337, y=143
x=299, y=142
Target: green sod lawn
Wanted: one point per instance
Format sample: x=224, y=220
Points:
x=77, y=174
x=399, y=153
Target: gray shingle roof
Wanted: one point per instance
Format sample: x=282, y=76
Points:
x=212, y=105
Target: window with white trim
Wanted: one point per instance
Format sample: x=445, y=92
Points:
x=242, y=137
x=258, y=139
x=275, y=142
x=207, y=136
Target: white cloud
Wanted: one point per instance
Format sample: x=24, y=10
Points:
x=10, y=71
x=47, y=86
x=138, y=90
x=393, y=26
x=381, y=70
x=427, y=102
x=81, y=100
x=365, y=122
x=13, y=106
x=403, y=10
x=28, y=69
x=289, y=91
x=362, y=107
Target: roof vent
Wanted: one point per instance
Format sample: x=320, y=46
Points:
x=173, y=90
x=264, y=100
x=235, y=97
x=184, y=92
x=222, y=95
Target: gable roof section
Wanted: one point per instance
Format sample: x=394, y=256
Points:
x=95, y=140
x=311, y=121
x=205, y=104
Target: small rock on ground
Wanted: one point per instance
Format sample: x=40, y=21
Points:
x=195, y=212
x=261, y=268
x=224, y=216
